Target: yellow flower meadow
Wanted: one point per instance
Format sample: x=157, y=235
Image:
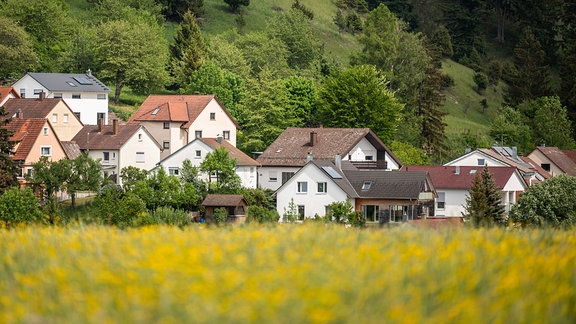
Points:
x=286, y=274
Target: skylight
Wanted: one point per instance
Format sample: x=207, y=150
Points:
x=155, y=112
x=83, y=80
x=366, y=185
x=72, y=84
x=332, y=172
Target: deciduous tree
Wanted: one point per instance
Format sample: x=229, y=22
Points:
x=16, y=50
x=222, y=169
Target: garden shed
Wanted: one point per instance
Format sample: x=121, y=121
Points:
x=235, y=205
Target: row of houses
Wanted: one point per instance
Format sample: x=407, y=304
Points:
x=308, y=168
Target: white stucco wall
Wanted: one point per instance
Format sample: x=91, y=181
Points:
x=455, y=200
x=472, y=160
x=213, y=128
x=133, y=145
x=313, y=202
x=265, y=173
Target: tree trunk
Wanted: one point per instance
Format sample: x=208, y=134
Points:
x=119, y=85
x=73, y=196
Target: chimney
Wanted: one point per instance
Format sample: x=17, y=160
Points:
x=100, y=125
x=19, y=113
x=313, y=138
x=88, y=72
x=114, y=126
x=309, y=157
x=338, y=161
x=515, y=151
x=457, y=169
x=41, y=95
x=467, y=149
x=219, y=138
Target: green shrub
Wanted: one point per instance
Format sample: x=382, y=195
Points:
x=117, y=208
x=258, y=214
x=220, y=216
x=19, y=206
x=168, y=216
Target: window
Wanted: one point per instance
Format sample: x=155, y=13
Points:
x=140, y=157
x=156, y=111
x=166, y=125
x=29, y=172
x=166, y=145
x=46, y=150
x=273, y=176
x=65, y=118
x=58, y=95
x=212, y=116
x=441, y=200
x=322, y=186
x=174, y=171
x=545, y=166
x=37, y=92
x=302, y=187
x=226, y=135
x=113, y=155
x=106, y=156
x=371, y=213
x=198, y=134
x=139, y=137
x=286, y=176
x=54, y=118
x=101, y=96
x=301, y=212
x=100, y=116
x=76, y=96
x=45, y=131
x=369, y=158
x=366, y=185
x=77, y=114
x=198, y=154
x=481, y=161
x=22, y=93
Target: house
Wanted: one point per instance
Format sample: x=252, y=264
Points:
x=62, y=119
x=453, y=183
x=83, y=93
x=235, y=205
x=554, y=160
x=176, y=120
x=118, y=146
x=7, y=93
x=380, y=195
x=35, y=138
x=196, y=151
x=502, y=156
x=295, y=146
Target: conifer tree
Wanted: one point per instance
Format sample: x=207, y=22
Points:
x=8, y=166
x=188, y=50
x=483, y=203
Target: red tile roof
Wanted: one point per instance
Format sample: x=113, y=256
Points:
x=241, y=158
x=26, y=131
x=445, y=177
x=5, y=91
x=92, y=139
x=176, y=108
x=293, y=145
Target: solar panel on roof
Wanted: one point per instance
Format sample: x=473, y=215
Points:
x=83, y=80
x=332, y=172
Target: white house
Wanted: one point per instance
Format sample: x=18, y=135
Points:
x=83, y=93
x=380, y=195
x=176, y=120
x=118, y=146
x=295, y=146
x=196, y=151
x=453, y=183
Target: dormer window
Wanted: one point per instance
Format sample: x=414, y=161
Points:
x=366, y=185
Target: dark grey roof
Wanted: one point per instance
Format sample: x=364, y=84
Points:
x=388, y=184
x=69, y=82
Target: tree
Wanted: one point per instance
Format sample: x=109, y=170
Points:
x=550, y=124
x=264, y=53
x=530, y=76
x=442, y=41
x=220, y=216
x=18, y=206
x=510, y=128
x=343, y=212
x=302, y=100
x=190, y=174
x=291, y=214
x=188, y=50
x=408, y=154
x=221, y=168
x=358, y=97
x=130, y=175
x=161, y=190
x=85, y=174
x=49, y=177
x=549, y=203
x=236, y=4
x=483, y=203
x=9, y=168
x=568, y=77
x=175, y=10
x=16, y=50
x=131, y=54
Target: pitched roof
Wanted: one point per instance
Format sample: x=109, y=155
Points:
x=446, y=177
x=223, y=200
x=241, y=158
x=388, y=184
x=558, y=157
x=5, y=91
x=512, y=161
x=89, y=137
x=176, y=108
x=71, y=148
x=570, y=154
x=293, y=145
x=25, y=132
x=33, y=108
x=69, y=82
x=328, y=167
x=545, y=174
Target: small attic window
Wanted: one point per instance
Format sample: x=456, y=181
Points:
x=473, y=171
x=278, y=150
x=155, y=112
x=366, y=185
x=72, y=84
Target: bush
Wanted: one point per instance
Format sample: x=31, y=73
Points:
x=168, y=216
x=258, y=214
x=123, y=210
x=220, y=216
x=19, y=206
